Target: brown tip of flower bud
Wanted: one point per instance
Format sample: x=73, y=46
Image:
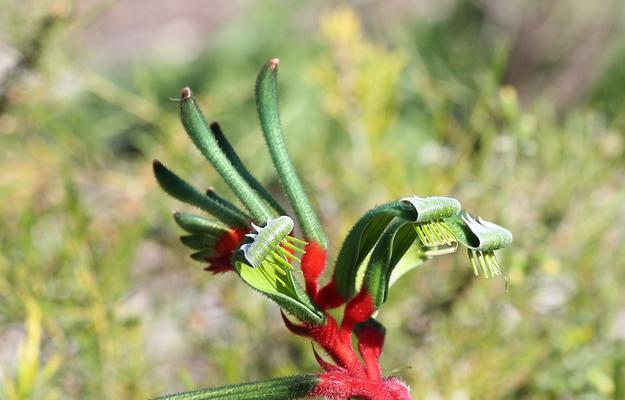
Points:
x=210, y=190
x=273, y=63
x=186, y=93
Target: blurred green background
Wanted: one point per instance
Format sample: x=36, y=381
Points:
x=514, y=107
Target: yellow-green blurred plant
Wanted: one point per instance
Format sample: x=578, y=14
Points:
x=360, y=81
x=32, y=374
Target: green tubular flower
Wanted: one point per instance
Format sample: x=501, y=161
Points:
x=481, y=238
x=267, y=104
x=264, y=261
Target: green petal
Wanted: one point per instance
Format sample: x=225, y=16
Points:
x=198, y=242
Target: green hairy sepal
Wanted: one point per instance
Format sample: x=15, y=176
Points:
x=286, y=388
x=264, y=261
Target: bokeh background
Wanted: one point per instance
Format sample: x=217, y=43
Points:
x=517, y=108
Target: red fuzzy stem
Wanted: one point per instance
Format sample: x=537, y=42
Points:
x=329, y=297
x=327, y=336
x=358, y=310
x=341, y=352
x=370, y=344
x=323, y=363
x=341, y=385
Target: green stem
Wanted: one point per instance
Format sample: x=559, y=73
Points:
x=267, y=105
x=227, y=148
x=199, y=132
x=287, y=388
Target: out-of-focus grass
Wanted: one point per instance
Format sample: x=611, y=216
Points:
x=99, y=300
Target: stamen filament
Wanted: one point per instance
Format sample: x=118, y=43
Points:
x=287, y=254
x=297, y=241
x=472, y=261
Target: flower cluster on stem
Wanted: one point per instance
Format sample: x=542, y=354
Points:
x=259, y=245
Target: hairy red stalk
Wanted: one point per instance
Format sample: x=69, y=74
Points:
x=329, y=297
x=326, y=335
x=340, y=385
x=358, y=310
x=370, y=344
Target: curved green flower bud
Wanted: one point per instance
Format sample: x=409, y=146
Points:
x=201, y=135
x=426, y=213
x=195, y=224
x=361, y=239
x=264, y=263
x=228, y=150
